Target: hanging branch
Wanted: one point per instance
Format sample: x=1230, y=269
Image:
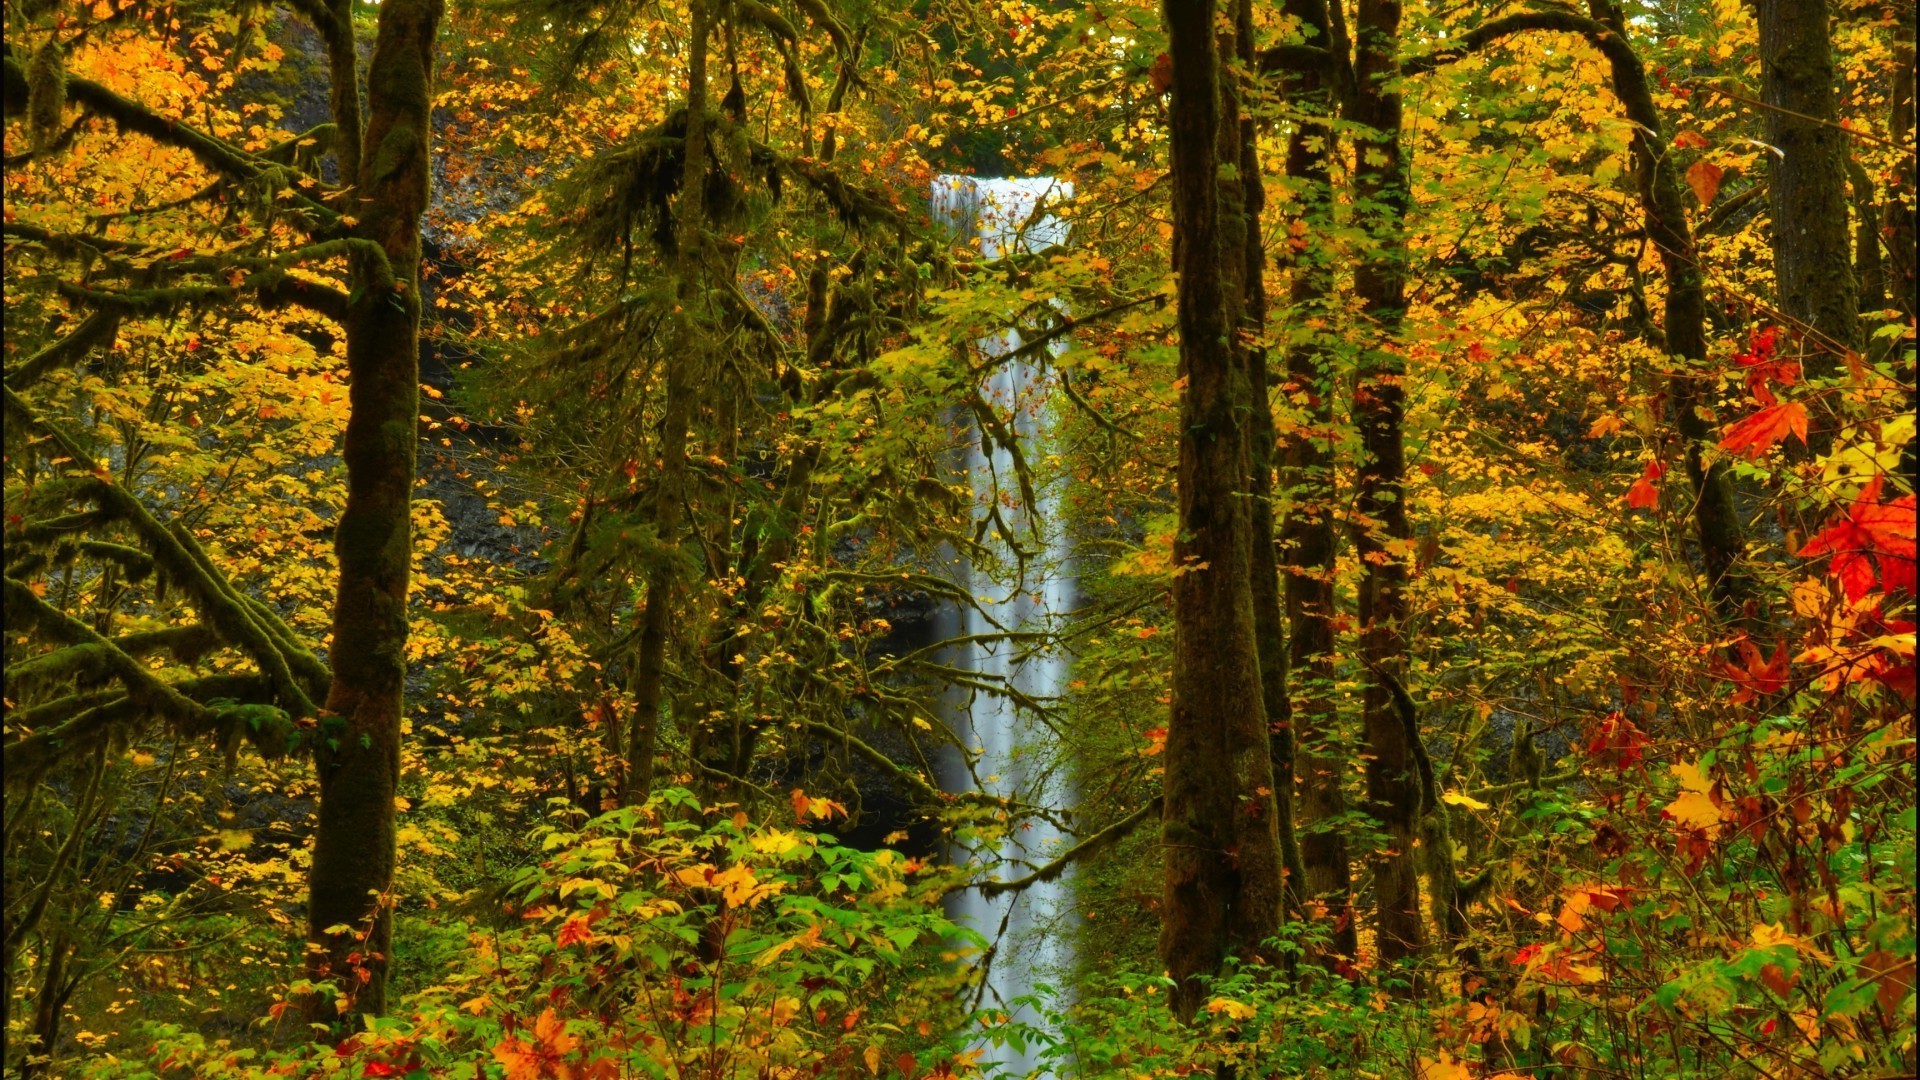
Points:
x=1079, y=852
x=242, y=623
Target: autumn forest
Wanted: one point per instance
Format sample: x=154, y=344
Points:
x=898, y=539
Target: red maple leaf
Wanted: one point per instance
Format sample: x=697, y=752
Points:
x=1645, y=494
x=1758, y=678
x=1882, y=530
x=1762, y=367
x=1756, y=434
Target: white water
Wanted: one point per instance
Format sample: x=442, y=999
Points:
x=1016, y=755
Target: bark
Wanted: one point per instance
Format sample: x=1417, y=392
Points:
x=358, y=763
x=690, y=222
x=1381, y=532
x=1222, y=890
x=1269, y=613
x=1812, y=257
x=1897, y=208
x=1307, y=537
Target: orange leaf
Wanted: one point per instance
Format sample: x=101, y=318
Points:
x=1756, y=434
x=1704, y=178
x=1645, y=494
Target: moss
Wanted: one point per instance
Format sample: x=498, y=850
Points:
x=46, y=93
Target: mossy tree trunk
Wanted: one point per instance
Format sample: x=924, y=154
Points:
x=1897, y=207
x=1308, y=540
x=1898, y=204
x=349, y=909
x=1812, y=251
x=1269, y=612
x=690, y=225
x=1381, y=531
x=1222, y=891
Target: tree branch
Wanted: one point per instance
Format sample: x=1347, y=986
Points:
x=1087, y=848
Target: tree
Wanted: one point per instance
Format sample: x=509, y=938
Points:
x=1223, y=890
x=1807, y=185
x=349, y=918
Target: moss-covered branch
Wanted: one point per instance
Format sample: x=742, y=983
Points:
x=248, y=625
x=94, y=330
x=215, y=154
x=1079, y=852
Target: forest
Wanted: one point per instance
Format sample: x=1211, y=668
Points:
x=899, y=539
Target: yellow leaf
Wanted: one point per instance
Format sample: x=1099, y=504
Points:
x=1235, y=1010
x=872, y=1057
x=1606, y=426
x=1692, y=778
x=1442, y=1068
x=1695, y=811
x=775, y=842
x=1454, y=798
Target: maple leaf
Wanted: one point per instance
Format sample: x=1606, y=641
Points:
x=1883, y=530
x=574, y=931
x=1156, y=741
x=1756, y=434
x=1645, y=494
x=1758, y=678
x=1762, y=367
x=1704, y=178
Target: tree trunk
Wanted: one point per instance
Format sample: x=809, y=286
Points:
x=1716, y=525
x=690, y=223
x=1897, y=208
x=1222, y=888
x=1812, y=257
x=349, y=928
x=1307, y=536
x=1269, y=614
x=1381, y=532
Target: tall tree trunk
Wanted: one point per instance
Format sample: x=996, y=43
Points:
x=1897, y=208
x=1381, y=533
x=1222, y=888
x=1812, y=256
x=1269, y=613
x=351, y=880
x=1898, y=205
x=690, y=226
x=1307, y=537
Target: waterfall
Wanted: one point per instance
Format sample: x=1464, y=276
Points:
x=1028, y=931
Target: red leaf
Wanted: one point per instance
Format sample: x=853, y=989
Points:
x=1759, y=677
x=1644, y=494
x=1883, y=530
x=1689, y=140
x=1756, y=434
x=1160, y=75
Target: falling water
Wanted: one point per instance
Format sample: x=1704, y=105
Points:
x=1016, y=754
